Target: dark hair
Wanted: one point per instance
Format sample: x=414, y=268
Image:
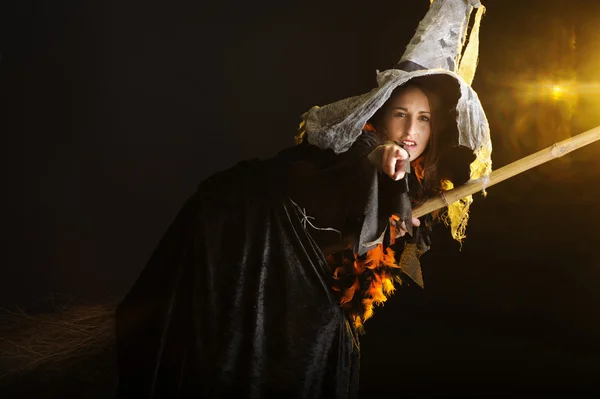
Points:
x=440, y=157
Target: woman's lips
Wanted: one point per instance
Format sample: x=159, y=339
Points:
x=408, y=144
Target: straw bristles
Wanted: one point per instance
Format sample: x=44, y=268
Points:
x=69, y=350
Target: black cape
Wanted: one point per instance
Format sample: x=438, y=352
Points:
x=236, y=300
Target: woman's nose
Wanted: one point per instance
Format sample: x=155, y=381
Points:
x=411, y=127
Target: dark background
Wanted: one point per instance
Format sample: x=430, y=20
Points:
x=114, y=111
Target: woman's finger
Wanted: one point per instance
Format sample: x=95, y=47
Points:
x=398, y=170
x=401, y=153
x=390, y=162
x=400, y=156
x=387, y=161
x=403, y=228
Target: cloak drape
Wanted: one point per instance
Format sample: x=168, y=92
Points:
x=236, y=300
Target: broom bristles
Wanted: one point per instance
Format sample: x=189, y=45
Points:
x=71, y=345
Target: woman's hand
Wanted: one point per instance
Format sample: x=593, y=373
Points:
x=402, y=230
x=390, y=159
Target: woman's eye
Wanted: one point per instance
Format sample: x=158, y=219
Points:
x=400, y=114
x=425, y=118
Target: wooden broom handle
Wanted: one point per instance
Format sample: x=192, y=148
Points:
x=506, y=172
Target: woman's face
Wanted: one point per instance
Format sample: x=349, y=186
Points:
x=407, y=120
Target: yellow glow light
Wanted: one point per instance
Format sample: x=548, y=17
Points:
x=557, y=92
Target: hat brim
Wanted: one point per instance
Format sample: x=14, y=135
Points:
x=336, y=126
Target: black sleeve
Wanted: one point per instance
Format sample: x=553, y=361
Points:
x=332, y=189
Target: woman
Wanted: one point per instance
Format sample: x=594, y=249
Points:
x=260, y=285
x=238, y=297
x=415, y=124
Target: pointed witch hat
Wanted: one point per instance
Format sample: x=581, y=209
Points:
x=439, y=54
